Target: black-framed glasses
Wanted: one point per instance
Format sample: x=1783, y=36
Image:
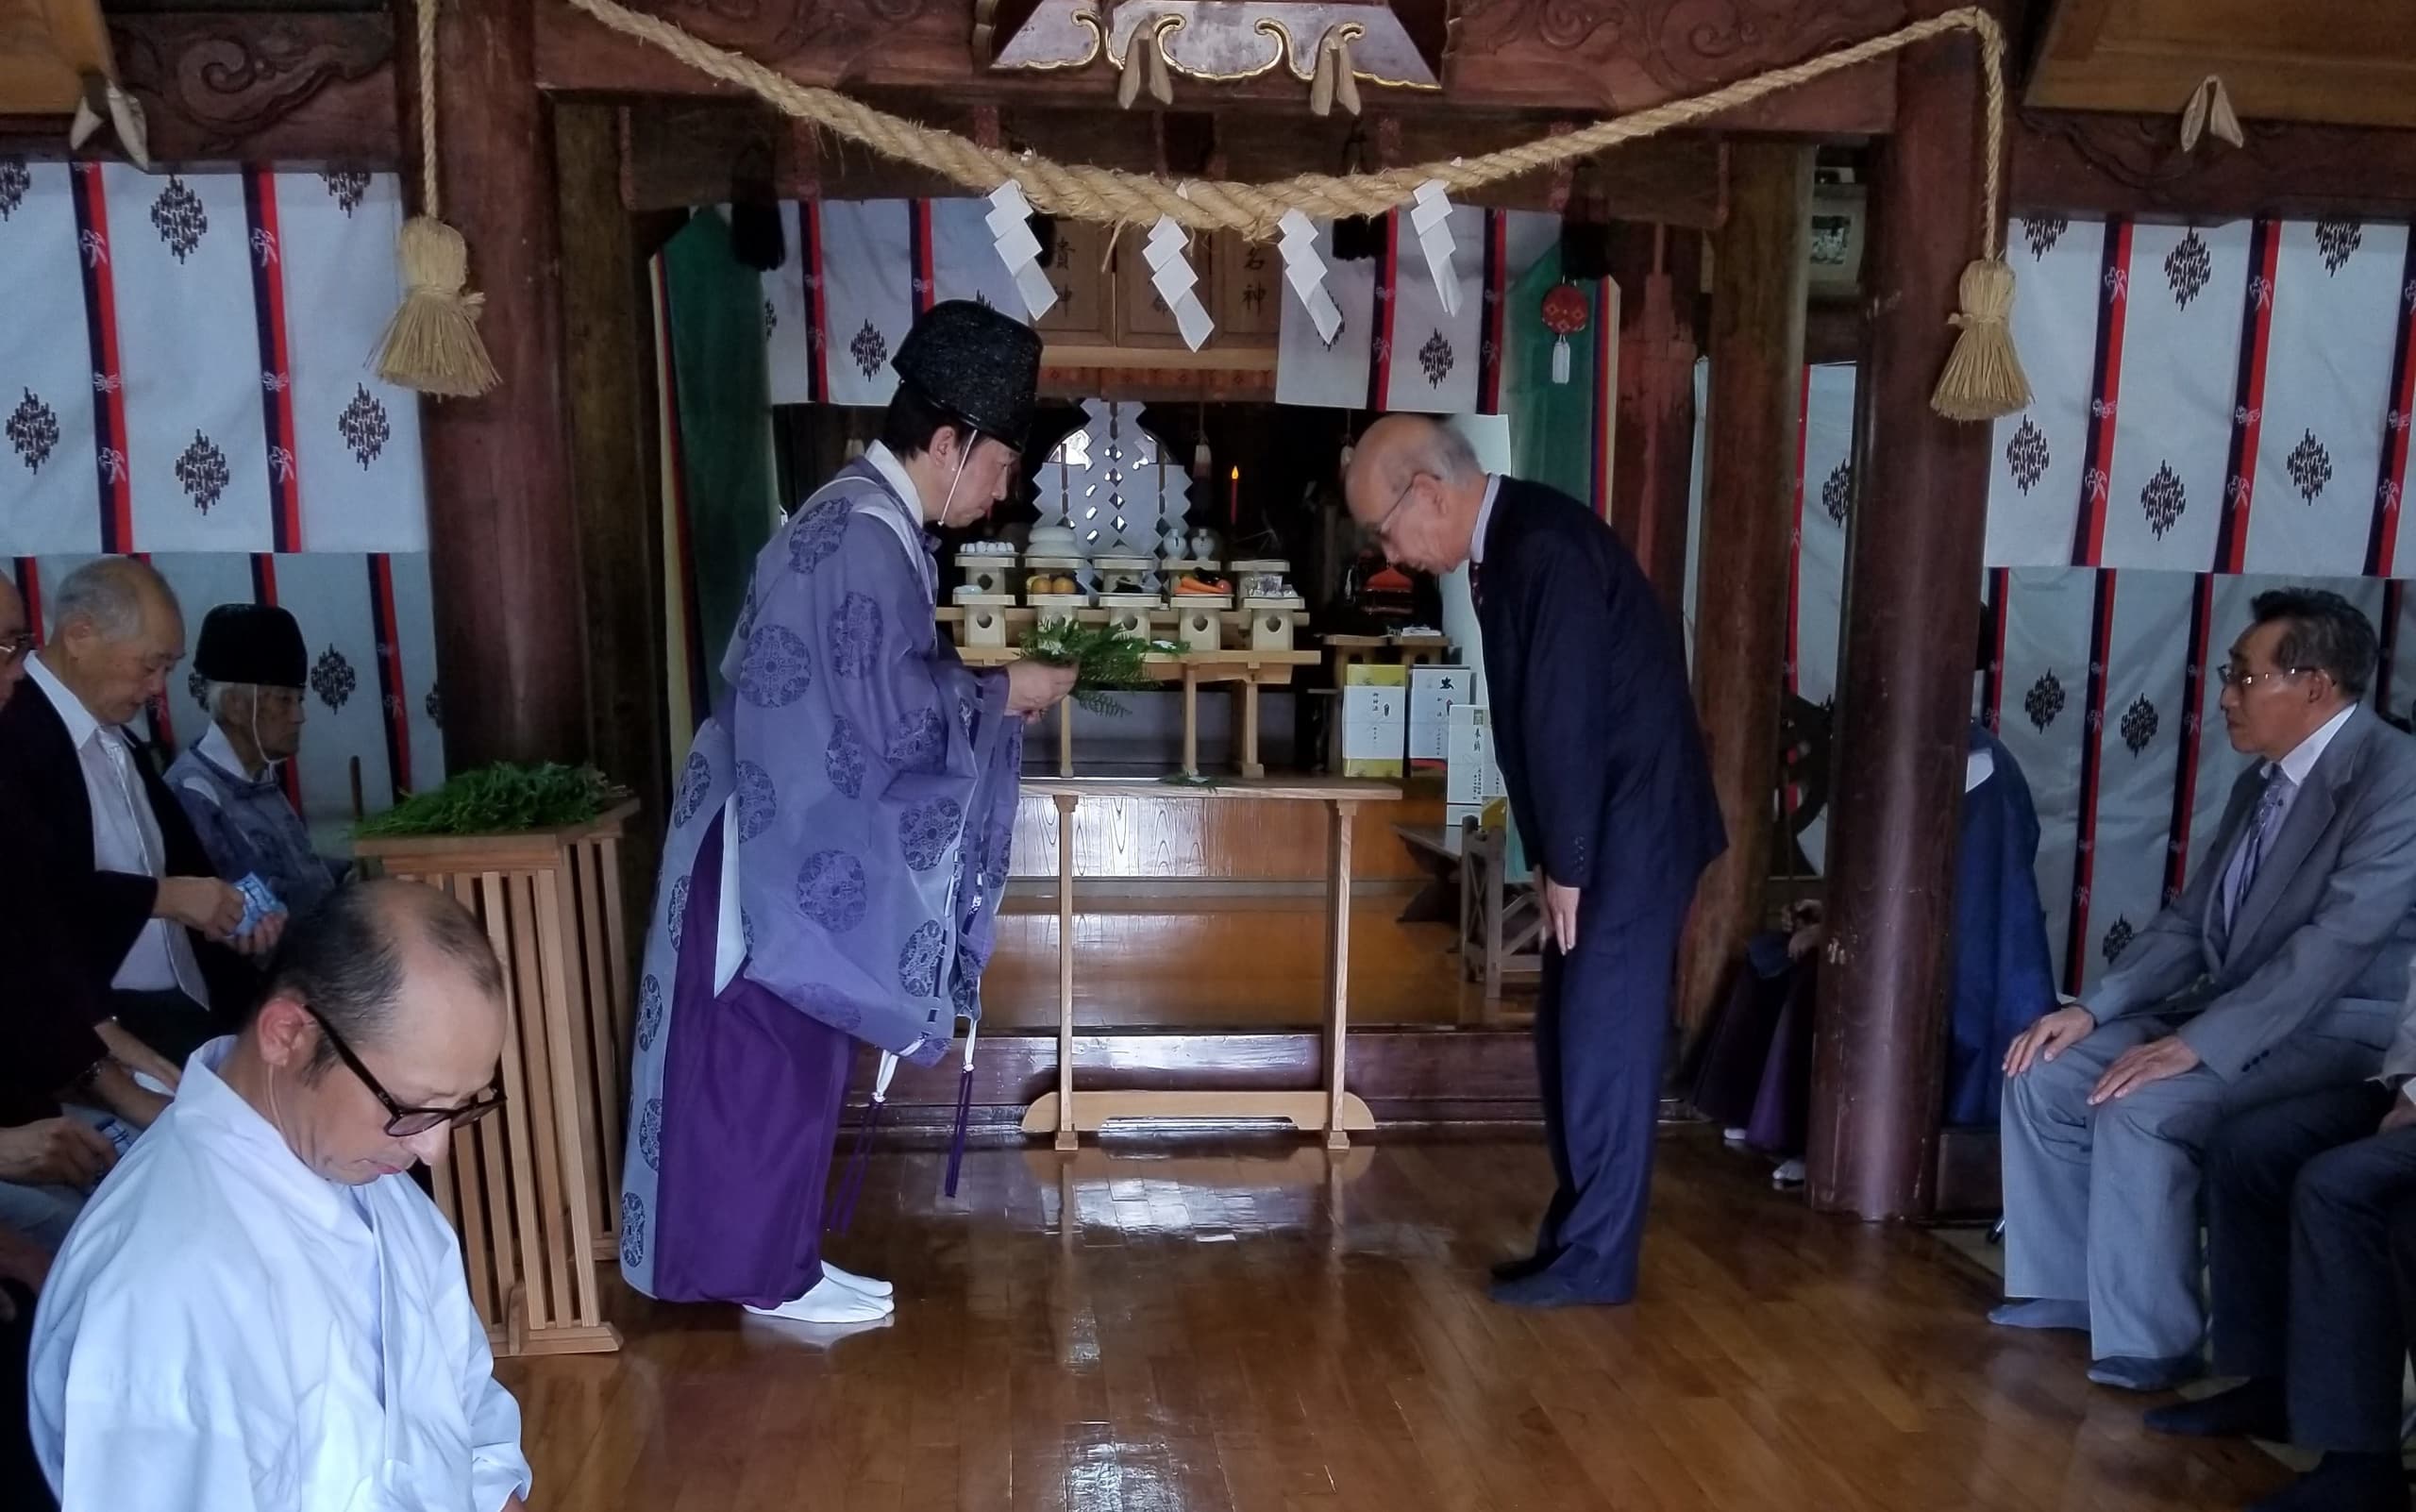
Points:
x=402, y=1122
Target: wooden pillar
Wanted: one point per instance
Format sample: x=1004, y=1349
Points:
x=503, y=540
x=1912, y=602
x=1758, y=268
x=1658, y=270
x=609, y=367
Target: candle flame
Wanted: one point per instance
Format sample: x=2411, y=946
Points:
x=1237, y=475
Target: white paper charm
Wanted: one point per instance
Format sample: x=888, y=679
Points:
x=1304, y=270
x=1170, y=270
x=1010, y=222
x=1429, y=216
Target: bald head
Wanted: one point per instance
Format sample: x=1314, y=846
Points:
x=120, y=634
x=384, y=1000
x=1417, y=486
x=16, y=638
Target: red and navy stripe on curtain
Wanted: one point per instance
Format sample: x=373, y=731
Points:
x=817, y=340
x=2381, y=550
x=2185, y=785
x=385, y=625
x=1992, y=679
x=2092, y=777
x=264, y=592
x=2106, y=392
x=109, y=377
x=1497, y=307
x=1380, y=342
x=2248, y=404
x=277, y=368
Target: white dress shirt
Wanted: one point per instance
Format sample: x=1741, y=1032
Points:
x=125, y=838
x=1483, y=518
x=228, y=1331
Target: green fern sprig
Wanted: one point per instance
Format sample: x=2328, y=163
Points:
x=1105, y=659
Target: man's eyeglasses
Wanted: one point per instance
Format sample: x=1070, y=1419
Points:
x=2232, y=677
x=402, y=1122
x=13, y=647
x=1382, y=530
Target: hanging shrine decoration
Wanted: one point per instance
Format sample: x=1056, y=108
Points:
x=1566, y=312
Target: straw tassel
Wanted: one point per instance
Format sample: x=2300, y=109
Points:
x=433, y=344
x=1983, y=378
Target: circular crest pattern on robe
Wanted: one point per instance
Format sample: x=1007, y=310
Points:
x=830, y=890
x=778, y=670
x=632, y=1230
x=649, y=1012
x=814, y=538
x=918, y=960
x=925, y=831
x=845, y=758
x=695, y=778
x=674, y=912
x=650, y=1133
x=919, y=744
x=855, y=636
x=758, y=804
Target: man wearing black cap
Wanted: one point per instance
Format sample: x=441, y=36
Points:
x=253, y=664
x=838, y=843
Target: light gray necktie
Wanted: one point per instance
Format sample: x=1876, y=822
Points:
x=2258, y=840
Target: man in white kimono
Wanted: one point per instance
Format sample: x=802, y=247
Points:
x=260, y=1311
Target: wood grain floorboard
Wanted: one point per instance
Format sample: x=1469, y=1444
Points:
x=1227, y=1327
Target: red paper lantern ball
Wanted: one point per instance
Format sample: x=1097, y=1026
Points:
x=1564, y=310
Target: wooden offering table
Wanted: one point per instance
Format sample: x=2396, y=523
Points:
x=1333, y=1109
x=1247, y=671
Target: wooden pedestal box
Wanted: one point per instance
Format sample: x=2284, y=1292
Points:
x=534, y=1190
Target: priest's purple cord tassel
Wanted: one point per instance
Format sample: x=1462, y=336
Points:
x=964, y=1106
x=852, y=1184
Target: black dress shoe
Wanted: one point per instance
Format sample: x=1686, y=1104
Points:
x=2254, y=1409
x=2344, y=1482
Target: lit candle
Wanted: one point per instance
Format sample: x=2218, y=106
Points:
x=1234, y=501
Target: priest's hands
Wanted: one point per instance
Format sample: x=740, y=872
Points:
x=2048, y=1038
x=1035, y=687
x=203, y=903
x=23, y=1262
x=67, y=1152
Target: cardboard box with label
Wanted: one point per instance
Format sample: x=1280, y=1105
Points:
x=1375, y=721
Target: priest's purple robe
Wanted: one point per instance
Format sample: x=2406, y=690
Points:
x=867, y=780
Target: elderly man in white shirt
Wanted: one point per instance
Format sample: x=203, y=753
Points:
x=260, y=1311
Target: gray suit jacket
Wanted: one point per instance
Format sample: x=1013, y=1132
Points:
x=2330, y=919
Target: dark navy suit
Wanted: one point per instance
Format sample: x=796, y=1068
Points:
x=1594, y=727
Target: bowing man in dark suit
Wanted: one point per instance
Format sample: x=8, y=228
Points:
x=143, y=924
x=1595, y=731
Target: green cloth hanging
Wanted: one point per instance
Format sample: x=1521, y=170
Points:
x=1551, y=424
x=724, y=417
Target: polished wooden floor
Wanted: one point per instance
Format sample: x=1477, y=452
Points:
x=1247, y=1328
x=1254, y=961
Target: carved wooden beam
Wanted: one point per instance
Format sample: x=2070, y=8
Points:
x=681, y=152
x=292, y=87
x=1593, y=57
x=2083, y=163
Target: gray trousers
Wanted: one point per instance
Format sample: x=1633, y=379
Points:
x=2101, y=1204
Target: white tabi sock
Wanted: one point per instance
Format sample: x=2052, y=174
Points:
x=848, y=1279
x=830, y=1303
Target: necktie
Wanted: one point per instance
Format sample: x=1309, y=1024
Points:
x=1476, y=584
x=2259, y=839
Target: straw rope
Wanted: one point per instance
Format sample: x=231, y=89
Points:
x=1111, y=196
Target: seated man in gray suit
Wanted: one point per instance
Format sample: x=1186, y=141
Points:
x=2279, y=970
